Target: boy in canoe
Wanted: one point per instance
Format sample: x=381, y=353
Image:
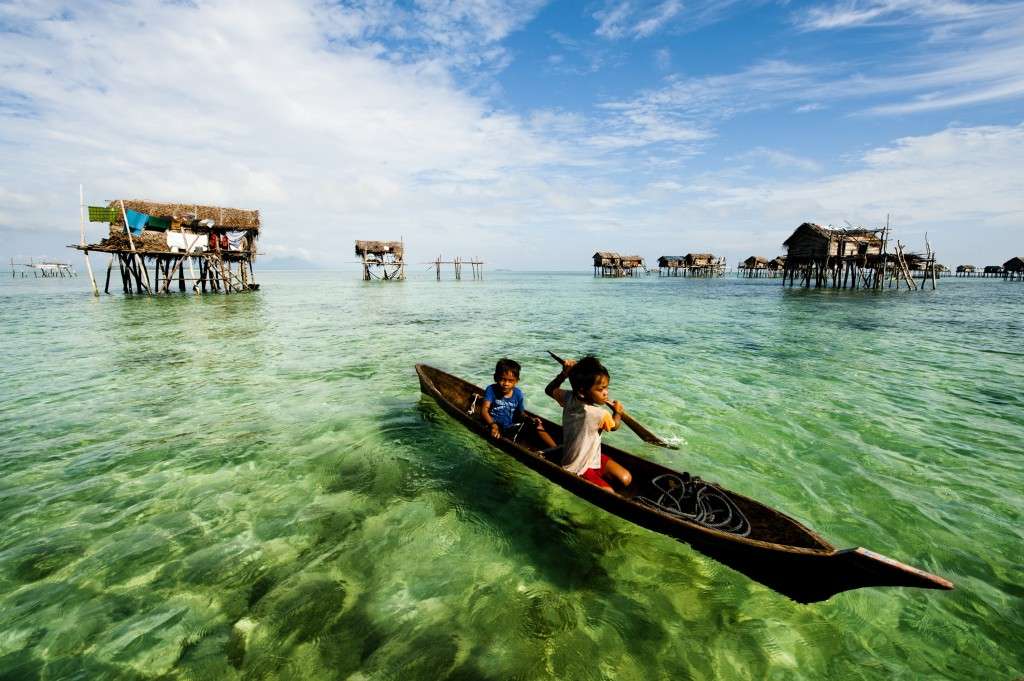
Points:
x=584, y=419
x=504, y=407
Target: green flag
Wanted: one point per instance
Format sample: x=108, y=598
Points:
x=102, y=214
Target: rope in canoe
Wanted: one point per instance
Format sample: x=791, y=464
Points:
x=697, y=501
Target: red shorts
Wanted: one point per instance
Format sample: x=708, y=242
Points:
x=593, y=475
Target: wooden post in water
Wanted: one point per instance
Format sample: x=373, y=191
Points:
x=131, y=243
x=88, y=265
x=885, y=243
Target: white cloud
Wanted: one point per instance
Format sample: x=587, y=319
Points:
x=643, y=18
x=961, y=70
x=779, y=159
x=663, y=59
x=955, y=184
x=855, y=13
x=713, y=98
x=658, y=17
x=458, y=33
x=580, y=57
x=807, y=108
x=621, y=19
x=231, y=106
x=612, y=20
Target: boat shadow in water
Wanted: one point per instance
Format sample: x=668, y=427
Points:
x=484, y=487
x=566, y=552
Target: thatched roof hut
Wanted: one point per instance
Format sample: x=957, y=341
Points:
x=186, y=244
x=699, y=259
x=178, y=217
x=380, y=248
x=816, y=242
x=671, y=261
x=993, y=269
x=777, y=263
x=607, y=259
x=755, y=262
x=965, y=268
x=631, y=261
x=1014, y=264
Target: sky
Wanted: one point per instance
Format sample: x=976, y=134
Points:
x=527, y=133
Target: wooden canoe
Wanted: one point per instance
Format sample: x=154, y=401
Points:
x=776, y=551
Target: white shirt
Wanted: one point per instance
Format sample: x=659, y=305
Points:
x=582, y=425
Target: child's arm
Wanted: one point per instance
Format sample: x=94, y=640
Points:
x=617, y=410
x=485, y=414
x=553, y=389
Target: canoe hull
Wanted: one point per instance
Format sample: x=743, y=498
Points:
x=807, y=570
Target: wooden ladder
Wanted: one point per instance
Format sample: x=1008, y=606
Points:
x=901, y=261
x=233, y=282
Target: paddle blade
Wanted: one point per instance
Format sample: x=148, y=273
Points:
x=644, y=434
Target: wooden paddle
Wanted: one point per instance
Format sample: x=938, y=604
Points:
x=638, y=428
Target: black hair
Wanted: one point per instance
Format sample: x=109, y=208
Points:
x=584, y=373
x=505, y=364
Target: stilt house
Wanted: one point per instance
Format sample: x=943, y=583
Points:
x=755, y=266
x=670, y=265
x=384, y=260
x=606, y=263
x=699, y=259
x=814, y=242
x=851, y=258
x=703, y=265
x=611, y=264
x=965, y=270
x=206, y=247
x=820, y=253
x=1014, y=268
x=632, y=263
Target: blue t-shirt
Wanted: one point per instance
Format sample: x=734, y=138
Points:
x=504, y=409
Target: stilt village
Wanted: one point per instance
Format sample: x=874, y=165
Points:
x=163, y=247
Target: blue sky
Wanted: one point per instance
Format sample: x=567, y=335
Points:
x=528, y=133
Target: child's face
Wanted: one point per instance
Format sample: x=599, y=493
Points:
x=506, y=381
x=597, y=393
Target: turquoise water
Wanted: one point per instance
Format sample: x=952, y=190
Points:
x=251, y=486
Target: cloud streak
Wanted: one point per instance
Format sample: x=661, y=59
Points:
x=230, y=106
x=638, y=20
x=858, y=13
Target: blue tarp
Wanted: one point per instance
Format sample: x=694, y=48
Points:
x=136, y=221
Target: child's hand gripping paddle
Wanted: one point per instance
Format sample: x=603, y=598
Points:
x=645, y=435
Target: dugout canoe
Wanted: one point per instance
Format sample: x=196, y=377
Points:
x=769, y=547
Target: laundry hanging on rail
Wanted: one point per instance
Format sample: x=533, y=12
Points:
x=103, y=214
x=236, y=241
x=187, y=242
x=136, y=221
x=158, y=224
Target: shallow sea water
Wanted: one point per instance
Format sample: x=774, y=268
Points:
x=252, y=487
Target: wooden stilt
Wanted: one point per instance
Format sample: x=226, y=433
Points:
x=88, y=264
